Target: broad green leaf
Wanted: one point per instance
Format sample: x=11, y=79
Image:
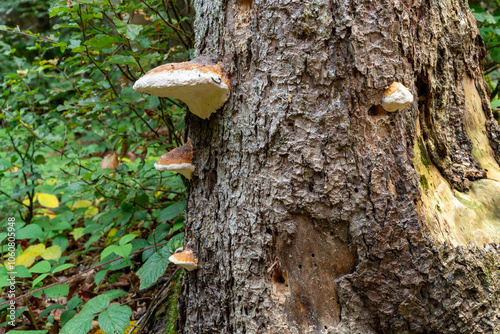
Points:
x=107, y=251
x=28, y=332
x=95, y=305
x=153, y=268
x=31, y=231
x=172, y=211
x=115, y=319
x=100, y=276
x=57, y=291
x=495, y=104
x=62, y=267
x=124, y=251
x=133, y=30
x=74, y=303
x=67, y=316
x=126, y=239
x=22, y=271
x=39, y=279
x=40, y=267
x=115, y=293
x=80, y=324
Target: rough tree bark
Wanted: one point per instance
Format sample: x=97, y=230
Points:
x=312, y=210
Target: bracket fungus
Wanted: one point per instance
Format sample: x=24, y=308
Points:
x=396, y=97
x=185, y=259
x=179, y=160
x=200, y=83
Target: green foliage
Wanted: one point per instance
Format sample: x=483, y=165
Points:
x=158, y=262
x=488, y=20
x=67, y=106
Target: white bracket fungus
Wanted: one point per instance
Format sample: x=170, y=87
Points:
x=202, y=86
x=179, y=160
x=396, y=97
x=185, y=259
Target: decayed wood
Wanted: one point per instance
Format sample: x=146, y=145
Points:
x=311, y=209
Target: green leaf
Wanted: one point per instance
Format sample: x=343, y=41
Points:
x=123, y=219
x=62, y=267
x=38, y=279
x=107, y=251
x=133, y=30
x=50, y=308
x=172, y=211
x=40, y=267
x=123, y=60
x=31, y=231
x=57, y=291
x=80, y=324
x=28, y=332
x=115, y=319
x=100, y=276
x=495, y=104
x=124, y=251
x=127, y=238
x=154, y=267
x=22, y=271
x=115, y=293
x=74, y=303
x=67, y=316
x=142, y=199
x=95, y=305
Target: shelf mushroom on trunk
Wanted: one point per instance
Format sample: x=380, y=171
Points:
x=396, y=97
x=200, y=83
x=179, y=160
x=185, y=259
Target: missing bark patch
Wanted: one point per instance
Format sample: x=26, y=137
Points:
x=453, y=216
x=279, y=283
x=244, y=6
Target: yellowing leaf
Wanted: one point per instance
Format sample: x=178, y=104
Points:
x=91, y=212
x=109, y=239
x=78, y=232
x=45, y=212
x=48, y=200
x=51, y=181
x=83, y=203
x=35, y=249
x=52, y=253
x=27, y=258
x=27, y=200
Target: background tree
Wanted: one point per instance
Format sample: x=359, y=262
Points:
x=313, y=209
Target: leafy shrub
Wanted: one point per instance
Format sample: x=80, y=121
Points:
x=69, y=111
x=488, y=20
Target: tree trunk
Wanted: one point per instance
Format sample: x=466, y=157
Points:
x=312, y=210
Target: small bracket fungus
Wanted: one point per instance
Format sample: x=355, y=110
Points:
x=199, y=83
x=396, y=97
x=179, y=160
x=185, y=259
